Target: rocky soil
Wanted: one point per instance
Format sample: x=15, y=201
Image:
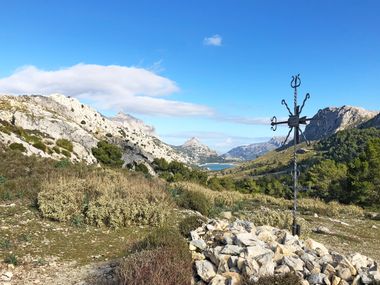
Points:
x=225, y=253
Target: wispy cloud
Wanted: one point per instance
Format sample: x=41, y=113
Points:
x=215, y=40
x=111, y=87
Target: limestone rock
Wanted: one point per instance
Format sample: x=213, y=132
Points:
x=205, y=270
x=218, y=280
x=331, y=120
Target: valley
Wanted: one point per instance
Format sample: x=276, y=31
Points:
x=85, y=201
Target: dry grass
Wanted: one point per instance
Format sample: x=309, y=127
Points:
x=309, y=205
x=305, y=205
x=162, y=258
x=105, y=197
x=227, y=198
x=276, y=218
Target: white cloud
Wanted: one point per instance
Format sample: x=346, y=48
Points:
x=110, y=87
x=214, y=40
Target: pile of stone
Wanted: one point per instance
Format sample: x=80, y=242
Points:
x=226, y=253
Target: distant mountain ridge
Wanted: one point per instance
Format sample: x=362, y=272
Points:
x=252, y=151
x=330, y=120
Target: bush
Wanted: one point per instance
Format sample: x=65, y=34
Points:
x=40, y=145
x=66, y=144
x=66, y=153
x=196, y=201
x=162, y=237
x=105, y=198
x=162, y=258
x=17, y=146
x=11, y=259
x=163, y=266
x=108, y=154
x=286, y=279
x=57, y=149
x=189, y=224
x=142, y=168
x=63, y=163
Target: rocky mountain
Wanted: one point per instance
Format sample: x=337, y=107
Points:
x=372, y=123
x=38, y=122
x=198, y=152
x=252, y=151
x=133, y=123
x=330, y=120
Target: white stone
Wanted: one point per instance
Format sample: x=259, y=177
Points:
x=218, y=280
x=232, y=249
x=316, y=246
x=316, y=278
x=295, y=264
x=205, y=270
x=7, y=276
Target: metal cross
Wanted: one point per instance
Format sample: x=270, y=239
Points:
x=294, y=122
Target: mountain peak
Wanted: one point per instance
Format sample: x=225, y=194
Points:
x=194, y=141
x=330, y=120
x=197, y=151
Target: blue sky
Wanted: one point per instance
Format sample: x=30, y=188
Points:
x=213, y=69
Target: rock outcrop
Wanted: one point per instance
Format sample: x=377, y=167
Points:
x=332, y=119
x=252, y=151
x=27, y=119
x=373, y=123
x=198, y=152
x=225, y=253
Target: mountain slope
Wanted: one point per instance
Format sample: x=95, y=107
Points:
x=333, y=119
x=252, y=151
x=372, y=123
x=37, y=122
x=198, y=152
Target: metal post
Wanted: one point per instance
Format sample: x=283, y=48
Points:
x=294, y=123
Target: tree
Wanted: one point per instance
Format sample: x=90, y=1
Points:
x=326, y=179
x=364, y=176
x=108, y=154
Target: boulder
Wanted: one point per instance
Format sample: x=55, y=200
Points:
x=316, y=278
x=205, y=270
x=218, y=280
x=319, y=248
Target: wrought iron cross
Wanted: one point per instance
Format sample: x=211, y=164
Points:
x=294, y=122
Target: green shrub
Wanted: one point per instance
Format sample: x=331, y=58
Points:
x=66, y=153
x=66, y=144
x=5, y=244
x=57, y=149
x=161, y=237
x=192, y=200
x=108, y=154
x=63, y=163
x=107, y=198
x=17, y=146
x=40, y=145
x=3, y=179
x=11, y=259
x=142, y=168
x=189, y=224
